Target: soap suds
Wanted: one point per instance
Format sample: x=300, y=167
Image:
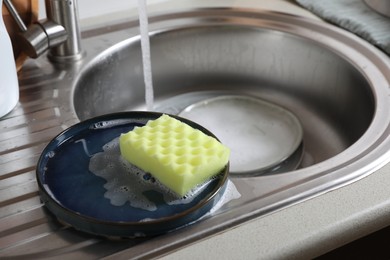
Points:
x=127, y=183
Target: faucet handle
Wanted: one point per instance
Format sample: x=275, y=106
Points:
x=60, y=32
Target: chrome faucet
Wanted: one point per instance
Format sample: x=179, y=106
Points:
x=59, y=33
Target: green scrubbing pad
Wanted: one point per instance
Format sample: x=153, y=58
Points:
x=176, y=154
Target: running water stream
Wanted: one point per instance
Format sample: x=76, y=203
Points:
x=145, y=47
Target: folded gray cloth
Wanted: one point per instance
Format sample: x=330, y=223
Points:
x=355, y=16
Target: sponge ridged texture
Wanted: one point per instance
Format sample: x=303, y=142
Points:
x=176, y=154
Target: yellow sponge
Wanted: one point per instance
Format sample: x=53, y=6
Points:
x=176, y=154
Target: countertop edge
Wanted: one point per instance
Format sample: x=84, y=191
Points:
x=336, y=218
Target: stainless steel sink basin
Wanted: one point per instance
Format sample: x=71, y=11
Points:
x=335, y=83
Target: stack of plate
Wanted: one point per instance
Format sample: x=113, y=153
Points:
x=263, y=137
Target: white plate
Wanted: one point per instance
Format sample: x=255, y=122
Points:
x=260, y=134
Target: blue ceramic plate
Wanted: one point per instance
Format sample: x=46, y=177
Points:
x=77, y=196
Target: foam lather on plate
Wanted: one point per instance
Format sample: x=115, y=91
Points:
x=176, y=154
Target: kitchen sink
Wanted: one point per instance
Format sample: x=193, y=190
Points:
x=337, y=85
